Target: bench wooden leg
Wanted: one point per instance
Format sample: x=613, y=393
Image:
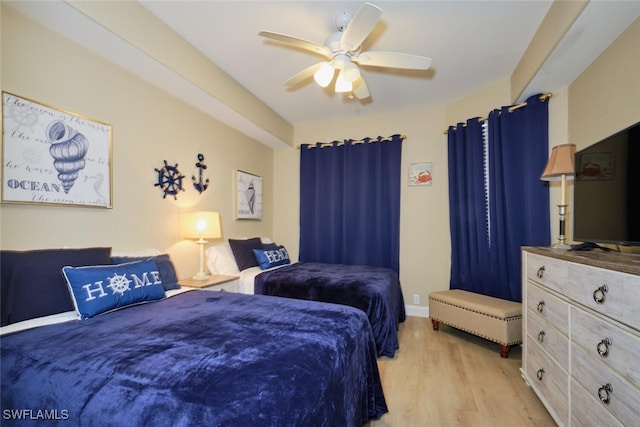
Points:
x=436, y=324
x=504, y=351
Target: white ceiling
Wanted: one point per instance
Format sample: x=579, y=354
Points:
x=473, y=44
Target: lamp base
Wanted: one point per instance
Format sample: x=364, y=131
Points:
x=200, y=276
x=562, y=240
x=562, y=246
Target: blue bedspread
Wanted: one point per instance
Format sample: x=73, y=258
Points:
x=374, y=290
x=198, y=358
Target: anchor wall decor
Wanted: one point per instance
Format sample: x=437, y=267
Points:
x=199, y=184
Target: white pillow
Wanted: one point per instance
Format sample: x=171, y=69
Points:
x=220, y=260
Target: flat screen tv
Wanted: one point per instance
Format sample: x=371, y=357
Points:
x=607, y=190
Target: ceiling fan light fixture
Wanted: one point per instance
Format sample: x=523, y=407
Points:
x=342, y=84
x=324, y=75
x=343, y=53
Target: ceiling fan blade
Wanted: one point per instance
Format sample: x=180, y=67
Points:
x=303, y=75
x=298, y=42
x=360, y=88
x=393, y=60
x=360, y=26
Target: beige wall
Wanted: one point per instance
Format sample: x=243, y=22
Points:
x=605, y=98
x=478, y=104
x=149, y=126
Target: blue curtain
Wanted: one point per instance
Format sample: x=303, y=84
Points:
x=497, y=201
x=467, y=208
x=350, y=202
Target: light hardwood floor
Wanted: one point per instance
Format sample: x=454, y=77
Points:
x=450, y=378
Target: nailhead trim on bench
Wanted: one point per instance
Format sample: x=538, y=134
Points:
x=477, y=334
x=479, y=312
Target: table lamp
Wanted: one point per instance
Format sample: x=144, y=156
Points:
x=560, y=168
x=201, y=225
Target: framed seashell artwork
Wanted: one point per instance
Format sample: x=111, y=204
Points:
x=54, y=157
x=248, y=196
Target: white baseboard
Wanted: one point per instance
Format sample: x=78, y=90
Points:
x=417, y=310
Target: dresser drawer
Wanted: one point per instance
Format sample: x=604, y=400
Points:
x=614, y=346
x=551, y=339
x=587, y=411
x=549, y=307
x=600, y=382
x=547, y=271
x=548, y=379
x=612, y=293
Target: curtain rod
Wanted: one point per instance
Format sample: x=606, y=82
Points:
x=353, y=141
x=542, y=97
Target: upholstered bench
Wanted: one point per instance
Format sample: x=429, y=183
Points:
x=495, y=319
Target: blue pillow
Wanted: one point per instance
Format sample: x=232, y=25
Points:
x=98, y=289
x=32, y=284
x=271, y=257
x=165, y=267
x=243, y=251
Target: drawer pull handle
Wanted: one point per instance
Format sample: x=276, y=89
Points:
x=540, y=306
x=541, y=337
x=599, y=294
x=604, y=393
x=540, y=272
x=603, y=347
x=540, y=374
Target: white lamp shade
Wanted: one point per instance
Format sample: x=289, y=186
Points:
x=201, y=225
x=342, y=84
x=324, y=75
x=351, y=72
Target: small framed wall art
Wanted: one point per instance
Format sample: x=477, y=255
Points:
x=420, y=174
x=248, y=195
x=53, y=157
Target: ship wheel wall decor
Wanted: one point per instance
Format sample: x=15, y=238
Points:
x=169, y=180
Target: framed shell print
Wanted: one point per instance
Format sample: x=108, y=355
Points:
x=53, y=157
x=248, y=196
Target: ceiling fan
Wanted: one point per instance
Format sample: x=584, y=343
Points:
x=343, y=49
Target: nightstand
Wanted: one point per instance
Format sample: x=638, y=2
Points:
x=215, y=282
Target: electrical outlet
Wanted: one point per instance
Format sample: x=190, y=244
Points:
x=416, y=299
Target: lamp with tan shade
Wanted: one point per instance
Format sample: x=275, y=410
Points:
x=560, y=168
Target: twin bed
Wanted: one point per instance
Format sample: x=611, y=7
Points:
x=199, y=358
x=376, y=291
x=189, y=357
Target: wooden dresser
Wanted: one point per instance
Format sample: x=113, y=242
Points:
x=582, y=335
